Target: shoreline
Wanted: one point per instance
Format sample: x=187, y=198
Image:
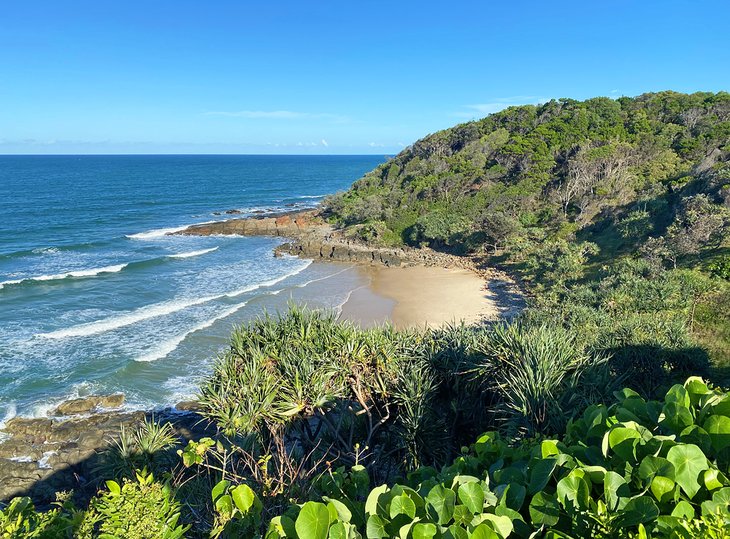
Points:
x=408, y=286
x=417, y=297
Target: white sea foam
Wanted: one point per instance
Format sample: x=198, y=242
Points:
x=10, y=413
x=312, y=196
x=157, y=233
x=153, y=311
x=127, y=319
x=162, y=232
x=193, y=253
x=307, y=283
x=45, y=250
x=171, y=344
x=43, y=462
x=93, y=272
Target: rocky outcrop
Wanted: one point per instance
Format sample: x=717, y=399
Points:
x=312, y=237
x=288, y=225
x=41, y=456
x=89, y=404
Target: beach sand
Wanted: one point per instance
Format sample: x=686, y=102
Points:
x=418, y=296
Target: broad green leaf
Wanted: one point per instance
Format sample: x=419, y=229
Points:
x=540, y=475
x=373, y=505
x=639, y=510
x=623, y=441
x=722, y=495
x=652, y=466
x=472, y=496
x=339, y=530
x=462, y=515
x=521, y=528
x=684, y=509
x=662, y=488
x=219, y=489
x=502, y=525
x=712, y=479
x=406, y=528
x=614, y=488
x=245, y=499
x=594, y=473
x=441, y=501
x=313, y=521
x=114, y=487
x=511, y=495
x=718, y=428
x=573, y=490
x=424, y=530
x=483, y=531
x=402, y=505
x=678, y=394
x=676, y=417
x=549, y=448
x=224, y=504
x=689, y=461
x=696, y=388
x=375, y=528
x=455, y=532
x=343, y=513
x=544, y=509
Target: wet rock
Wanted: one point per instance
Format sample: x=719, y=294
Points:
x=188, y=406
x=233, y=212
x=44, y=455
x=89, y=404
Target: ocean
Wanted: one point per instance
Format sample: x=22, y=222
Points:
x=95, y=298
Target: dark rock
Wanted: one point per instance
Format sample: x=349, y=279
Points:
x=233, y=212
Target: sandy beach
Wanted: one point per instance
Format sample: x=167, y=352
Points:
x=419, y=296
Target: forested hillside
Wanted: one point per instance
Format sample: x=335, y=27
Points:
x=601, y=206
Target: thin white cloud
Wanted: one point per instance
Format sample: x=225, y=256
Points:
x=376, y=145
x=324, y=143
x=479, y=110
x=275, y=115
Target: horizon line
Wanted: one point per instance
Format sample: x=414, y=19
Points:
x=195, y=154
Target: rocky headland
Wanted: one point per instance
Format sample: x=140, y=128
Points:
x=310, y=236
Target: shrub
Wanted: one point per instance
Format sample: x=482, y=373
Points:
x=147, y=447
x=142, y=509
x=720, y=267
x=542, y=376
x=635, y=469
x=20, y=520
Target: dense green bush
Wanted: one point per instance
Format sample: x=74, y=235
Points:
x=721, y=267
x=142, y=508
x=139, y=509
x=635, y=469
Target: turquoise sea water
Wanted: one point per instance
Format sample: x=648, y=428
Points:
x=95, y=298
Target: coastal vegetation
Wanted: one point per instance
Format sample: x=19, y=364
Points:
x=600, y=411
x=330, y=431
x=614, y=213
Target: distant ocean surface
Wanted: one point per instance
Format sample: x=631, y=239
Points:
x=96, y=299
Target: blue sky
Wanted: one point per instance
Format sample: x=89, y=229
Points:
x=159, y=76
